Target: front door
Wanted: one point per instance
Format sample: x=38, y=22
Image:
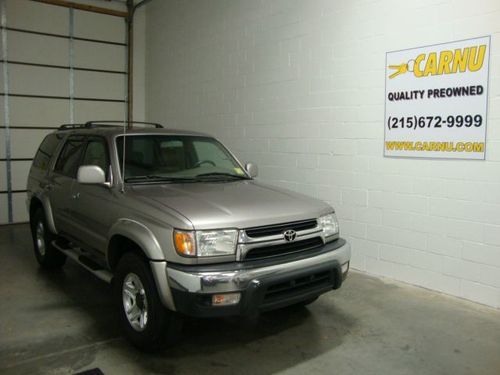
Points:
x=93, y=203
x=62, y=179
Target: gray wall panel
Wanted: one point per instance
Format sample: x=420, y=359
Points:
x=37, y=48
x=37, y=111
x=3, y=209
x=33, y=80
x=24, y=14
x=85, y=111
x=3, y=180
x=103, y=26
x=99, y=85
x=20, y=211
x=1, y=74
x=20, y=171
x=24, y=142
x=99, y=56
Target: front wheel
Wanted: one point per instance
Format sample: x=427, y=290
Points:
x=145, y=321
x=47, y=256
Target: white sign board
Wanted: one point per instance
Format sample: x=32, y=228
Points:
x=436, y=100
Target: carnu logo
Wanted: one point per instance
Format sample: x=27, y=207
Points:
x=444, y=62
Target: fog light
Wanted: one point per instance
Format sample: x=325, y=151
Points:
x=226, y=299
x=345, y=267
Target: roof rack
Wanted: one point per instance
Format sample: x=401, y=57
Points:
x=120, y=123
x=105, y=123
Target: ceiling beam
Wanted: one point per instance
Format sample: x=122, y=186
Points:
x=88, y=8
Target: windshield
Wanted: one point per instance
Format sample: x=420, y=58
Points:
x=159, y=158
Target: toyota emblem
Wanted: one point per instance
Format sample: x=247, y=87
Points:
x=289, y=235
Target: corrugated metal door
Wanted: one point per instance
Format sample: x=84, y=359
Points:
x=58, y=65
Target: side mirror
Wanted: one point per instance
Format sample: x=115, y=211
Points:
x=252, y=169
x=91, y=175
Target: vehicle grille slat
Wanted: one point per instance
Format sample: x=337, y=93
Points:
x=272, y=230
x=284, y=248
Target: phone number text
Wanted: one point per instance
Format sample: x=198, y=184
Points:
x=420, y=122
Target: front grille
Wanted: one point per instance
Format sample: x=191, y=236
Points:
x=271, y=230
x=284, y=249
x=303, y=284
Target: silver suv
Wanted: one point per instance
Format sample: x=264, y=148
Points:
x=178, y=226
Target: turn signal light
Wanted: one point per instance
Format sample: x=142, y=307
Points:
x=226, y=299
x=184, y=243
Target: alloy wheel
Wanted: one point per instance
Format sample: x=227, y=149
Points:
x=40, y=238
x=135, y=302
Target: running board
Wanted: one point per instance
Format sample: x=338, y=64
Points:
x=85, y=262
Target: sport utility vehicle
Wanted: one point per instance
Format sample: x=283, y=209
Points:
x=178, y=226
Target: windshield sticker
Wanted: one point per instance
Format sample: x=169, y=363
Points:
x=239, y=171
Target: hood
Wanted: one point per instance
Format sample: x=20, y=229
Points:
x=239, y=204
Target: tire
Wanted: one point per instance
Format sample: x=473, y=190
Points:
x=47, y=256
x=149, y=325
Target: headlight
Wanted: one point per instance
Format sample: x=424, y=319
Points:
x=216, y=242
x=329, y=224
x=206, y=243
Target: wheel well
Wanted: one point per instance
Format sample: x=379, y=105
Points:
x=118, y=246
x=35, y=204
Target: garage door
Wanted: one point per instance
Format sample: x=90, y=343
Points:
x=58, y=65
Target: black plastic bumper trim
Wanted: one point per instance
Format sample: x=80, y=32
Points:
x=253, y=298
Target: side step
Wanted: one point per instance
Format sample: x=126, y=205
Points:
x=84, y=261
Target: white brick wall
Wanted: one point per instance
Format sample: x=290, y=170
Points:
x=298, y=87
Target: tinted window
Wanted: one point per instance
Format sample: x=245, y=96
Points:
x=70, y=156
x=46, y=150
x=96, y=153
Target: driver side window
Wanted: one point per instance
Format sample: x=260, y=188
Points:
x=96, y=153
x=67, y=163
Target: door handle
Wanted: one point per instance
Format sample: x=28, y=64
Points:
x=75, y=196
x=47, y=187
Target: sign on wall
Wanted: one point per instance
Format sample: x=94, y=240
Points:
x=436, y=100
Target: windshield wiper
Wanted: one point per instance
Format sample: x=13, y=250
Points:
x=156, y=178
x=202, y=176
x=222, y=174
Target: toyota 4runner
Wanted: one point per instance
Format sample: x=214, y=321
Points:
x=178, y=226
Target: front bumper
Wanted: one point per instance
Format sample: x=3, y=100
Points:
x=262, y=287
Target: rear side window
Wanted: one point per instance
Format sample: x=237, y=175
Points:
x=46, y=150
x=70, y=156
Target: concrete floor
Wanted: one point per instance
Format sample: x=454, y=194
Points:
x=63, y=323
